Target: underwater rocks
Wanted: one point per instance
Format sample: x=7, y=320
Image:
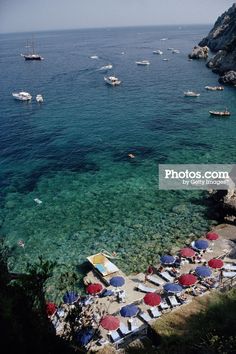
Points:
x=199, y=52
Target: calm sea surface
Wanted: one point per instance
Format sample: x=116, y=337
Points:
x=71, y=151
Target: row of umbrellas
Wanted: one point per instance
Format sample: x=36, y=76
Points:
x=188, y=252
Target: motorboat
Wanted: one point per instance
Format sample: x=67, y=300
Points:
x=143, y=62
x=214, y=88
x=175, y=51
x=94, y=57
x=165, y=59
x=22, y=96
x=39, y=98
x=220, y=113
x=112, y=80
x=163, y=39
x=106, y=67
x=191, y=94
x=158, y=51
x=170, y=48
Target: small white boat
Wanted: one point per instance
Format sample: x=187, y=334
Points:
x=143, y=62
x=191, y=94
x=163, y=39
x=106, y=67
x=39, y=98
x=214, y=88
x=94, y=57
x=112, y=80
x=158, y=51
x=165, y=59
x=22, y=96
x=220, y=113
x=175, y=51
x=170, y=48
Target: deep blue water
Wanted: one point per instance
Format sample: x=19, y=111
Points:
x=71, y=151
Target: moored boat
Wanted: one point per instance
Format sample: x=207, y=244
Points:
x=143, y=62
x=22, y=96
x=224, y=113
x=191, y=94
x=39, y=98
x=214, y=88
x=158, y=51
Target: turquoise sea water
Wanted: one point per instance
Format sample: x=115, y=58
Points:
x=71, y=151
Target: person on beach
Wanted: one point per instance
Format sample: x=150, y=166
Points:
x=149, y=271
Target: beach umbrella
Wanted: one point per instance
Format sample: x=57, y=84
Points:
x=187, y=252
x=51, y=308
x=106, y=292
x=212, y=236
x=201, y=244
x=215, y=263
x=129, y=310
x=94, y=288
x=172, y=288
x=152, y=299
x=111, y=323
x=84, y=336
x=187, y=279
x=70, y=297
x=203, y=271
x=117, y=281
x=167, y=259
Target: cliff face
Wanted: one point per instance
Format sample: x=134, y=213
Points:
x=222, y=40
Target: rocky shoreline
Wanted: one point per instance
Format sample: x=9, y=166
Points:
x=221, y=40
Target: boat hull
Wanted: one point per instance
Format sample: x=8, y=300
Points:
x=220, y=114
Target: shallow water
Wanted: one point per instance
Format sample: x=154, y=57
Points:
x=71, y=152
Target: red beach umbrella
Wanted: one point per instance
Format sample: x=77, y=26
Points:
x=50, y=308
x=187, y=279
x=212, y=236
x=94, y=288
x=152, y=299
x=215, y=263
x=111, y=323
x=187, y=252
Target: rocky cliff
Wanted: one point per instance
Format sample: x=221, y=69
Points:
x=222, y=40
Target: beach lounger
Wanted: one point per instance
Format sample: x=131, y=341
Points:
x=229, y=274
x=145, y=317
x=230, y=267
x=115, y=337
x=145, y=288
x=124, y=329
x=164, y=306
x=173, y=301
x=155, y=312
x=155, y=279
x=167, y=276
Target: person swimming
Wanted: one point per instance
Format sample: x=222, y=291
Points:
x=21, y=243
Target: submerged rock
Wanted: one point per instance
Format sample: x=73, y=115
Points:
x=199, y=52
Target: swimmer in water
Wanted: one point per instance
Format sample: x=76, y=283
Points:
x=21, y=243
x=131, y=156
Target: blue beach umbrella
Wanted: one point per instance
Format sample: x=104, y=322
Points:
x=167, y=259
x=117, y=281
x=172, y=288
x=201, y=244
x=129, y=311
x=70, y=297
x=203, y=271
x=84, y=336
